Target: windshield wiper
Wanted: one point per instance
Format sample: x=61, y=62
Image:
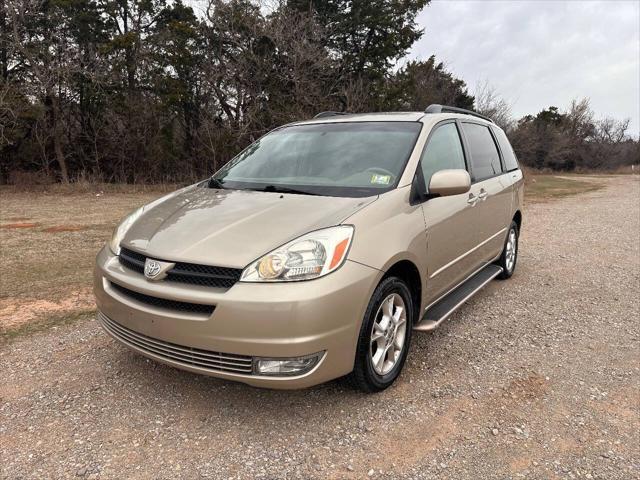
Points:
x=215, y=183
x=279, y=189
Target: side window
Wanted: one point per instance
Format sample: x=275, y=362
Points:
x=509, y=157
x=444, y=151
x=485, y=159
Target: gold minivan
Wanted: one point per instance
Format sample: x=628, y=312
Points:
x=318, y=250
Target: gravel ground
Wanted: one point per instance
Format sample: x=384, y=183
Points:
x=537, y=377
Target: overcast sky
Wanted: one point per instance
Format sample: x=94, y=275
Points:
x=541, y=53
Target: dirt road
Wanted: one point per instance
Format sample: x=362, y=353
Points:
x=537, y=377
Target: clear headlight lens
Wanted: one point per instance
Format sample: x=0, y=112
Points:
x=311, y=256
x=121, y=230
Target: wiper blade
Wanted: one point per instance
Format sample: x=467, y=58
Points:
x=279, y=189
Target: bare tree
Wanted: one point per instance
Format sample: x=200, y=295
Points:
x=609, y=130
x=44, y=52
x=489, y=103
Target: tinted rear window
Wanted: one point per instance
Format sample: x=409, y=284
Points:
x=509, y=157
x=485, y=159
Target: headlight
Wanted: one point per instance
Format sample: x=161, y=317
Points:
x=121, y=230
x=309, y=256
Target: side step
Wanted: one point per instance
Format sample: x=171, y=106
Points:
x=444, y=307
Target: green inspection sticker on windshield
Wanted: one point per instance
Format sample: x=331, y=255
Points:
x=380, y=179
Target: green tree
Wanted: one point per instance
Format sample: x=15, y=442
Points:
x=421, y=83
x=367, y=37
x=86, y=28
x=177, y=53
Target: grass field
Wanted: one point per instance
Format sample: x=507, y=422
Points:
x=547, y=187
x=49, y=239
x=48, y=243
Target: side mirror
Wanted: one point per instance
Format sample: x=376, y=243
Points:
x=449, y=182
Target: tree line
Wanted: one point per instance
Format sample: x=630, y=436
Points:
x=152, y=91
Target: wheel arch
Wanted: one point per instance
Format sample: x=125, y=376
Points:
x=517, y=217
x=408, y=271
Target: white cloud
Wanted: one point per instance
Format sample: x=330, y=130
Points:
x=542, y=53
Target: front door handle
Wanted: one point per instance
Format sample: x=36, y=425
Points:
x=472, y=199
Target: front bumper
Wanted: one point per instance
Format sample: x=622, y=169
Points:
x=272, y=320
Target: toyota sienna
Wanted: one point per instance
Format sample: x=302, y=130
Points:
x=319, y=250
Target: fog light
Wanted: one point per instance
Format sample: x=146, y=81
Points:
x=285, y=366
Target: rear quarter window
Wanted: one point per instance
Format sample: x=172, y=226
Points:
x=508, y=155
x=485, y=159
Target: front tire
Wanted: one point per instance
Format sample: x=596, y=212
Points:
x=385, y=336
x=509, y=256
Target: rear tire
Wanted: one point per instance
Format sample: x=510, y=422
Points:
x=509, y=256
x=384, y=337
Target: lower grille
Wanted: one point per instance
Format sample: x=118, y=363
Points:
x=163, y=302
x=188, y=356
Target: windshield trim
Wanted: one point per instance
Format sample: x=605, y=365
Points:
x=324, y=190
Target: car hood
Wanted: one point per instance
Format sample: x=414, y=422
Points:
x=231, y=228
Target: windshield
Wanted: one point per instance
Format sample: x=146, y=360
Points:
x=351, y=159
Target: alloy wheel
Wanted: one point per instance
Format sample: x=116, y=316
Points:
x=388, y=334
x=512, y=247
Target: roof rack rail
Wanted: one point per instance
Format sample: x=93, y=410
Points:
x=437, y=108
x=330, y=114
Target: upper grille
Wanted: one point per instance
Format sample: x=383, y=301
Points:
x=163, y=302
x=189, y=356
x=205, y=275
x=132, y=260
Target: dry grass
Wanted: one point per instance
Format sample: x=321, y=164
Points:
x=77, y=188
x=543, y=187
x=47, y=256
x=49, y=238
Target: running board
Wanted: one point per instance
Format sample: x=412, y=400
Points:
x=443, y=308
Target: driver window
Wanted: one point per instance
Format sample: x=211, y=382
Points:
x=444, y=151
